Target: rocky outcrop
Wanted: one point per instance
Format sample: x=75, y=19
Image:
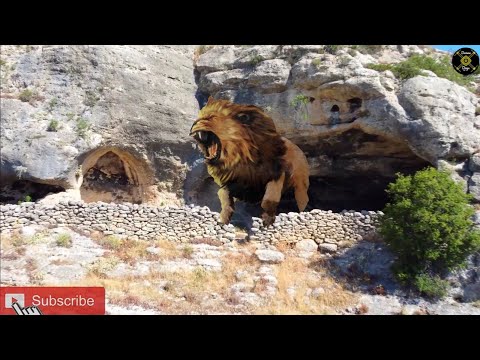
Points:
x=358, y=126
x=64, y=107
x=111, y=123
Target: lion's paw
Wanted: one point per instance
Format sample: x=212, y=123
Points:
x=268, y=219
x=225, y=217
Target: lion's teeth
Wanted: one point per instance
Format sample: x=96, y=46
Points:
x=201, y=135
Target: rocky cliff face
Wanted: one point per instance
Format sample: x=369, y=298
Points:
x=111, y=123
x=104, y=122
x=358, y=126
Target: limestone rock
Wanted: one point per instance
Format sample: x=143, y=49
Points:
x=270, y=256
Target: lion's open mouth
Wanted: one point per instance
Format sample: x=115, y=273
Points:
x=209, y=144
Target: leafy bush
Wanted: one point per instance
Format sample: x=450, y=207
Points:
x=431, y=286
x=300, y=101
x=2, y=62
x=53, y=126
x=428, y=224
x=82, y=127
x=477, y=111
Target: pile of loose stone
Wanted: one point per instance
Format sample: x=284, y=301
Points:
x=183, y=224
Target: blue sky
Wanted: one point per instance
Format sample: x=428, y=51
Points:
x=452, y=48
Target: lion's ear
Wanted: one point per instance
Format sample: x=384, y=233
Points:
x=210, y=100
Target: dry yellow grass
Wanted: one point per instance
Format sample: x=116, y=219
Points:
x=200, y=291
x=296, y=274
x=180, y=292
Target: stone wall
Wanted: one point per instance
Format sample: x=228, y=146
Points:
x=183, y=224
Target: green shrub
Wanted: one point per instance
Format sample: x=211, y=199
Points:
x=82, y=127
x=300, y=101
x=477, y=111
x=255, y=59
x=414, y=65
x=26, y=198
x=431, y=286
x=380, y=67
x=64, y=240
x=428, y=224
x=53, y=125
x=26, y=95
x=52, y=104
x=2, y=62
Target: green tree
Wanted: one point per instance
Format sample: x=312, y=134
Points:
x=428, y=225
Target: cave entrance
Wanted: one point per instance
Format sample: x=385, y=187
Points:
x=351, y=170
x=26, y=190
x=114, y=175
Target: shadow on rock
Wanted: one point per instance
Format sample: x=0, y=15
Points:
x=365, y=268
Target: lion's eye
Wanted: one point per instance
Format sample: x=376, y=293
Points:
x=245, y=118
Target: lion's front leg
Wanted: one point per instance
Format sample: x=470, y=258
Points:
x=228, y=205
x=273, y=193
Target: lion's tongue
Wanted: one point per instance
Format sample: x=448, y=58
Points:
x=212, y=151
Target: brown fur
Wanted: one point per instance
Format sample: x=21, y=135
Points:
x=253, y=163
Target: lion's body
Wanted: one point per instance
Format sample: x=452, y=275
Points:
x=248, y=182
x=253, y=162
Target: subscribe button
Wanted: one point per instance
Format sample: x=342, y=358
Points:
x=52, y=300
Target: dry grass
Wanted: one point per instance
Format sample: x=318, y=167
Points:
x=127, y=250
x=59, y=262
x=207, y=241
x=200, y=50
x=187, y=252
x=296, y=274
x=34, y=274
x=204, y=292
x=180, y=292
x=64, y=240
x=199, y=291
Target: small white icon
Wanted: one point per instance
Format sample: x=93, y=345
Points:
x=14, y=298
x=31, y=310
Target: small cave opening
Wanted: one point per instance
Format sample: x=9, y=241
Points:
x=26, y=190
x=113, y=175
x=354, y=104
x=335, y=108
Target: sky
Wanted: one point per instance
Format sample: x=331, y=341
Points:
x=453, y=48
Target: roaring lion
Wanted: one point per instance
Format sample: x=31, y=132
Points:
x=248, y=159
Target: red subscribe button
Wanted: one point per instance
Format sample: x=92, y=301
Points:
x=52, y=300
